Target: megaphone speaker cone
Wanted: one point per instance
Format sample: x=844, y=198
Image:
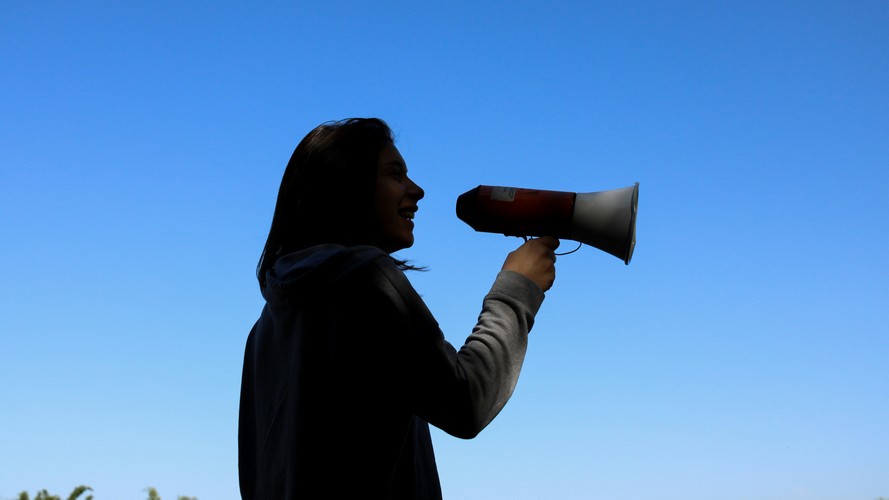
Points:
x=607, y=220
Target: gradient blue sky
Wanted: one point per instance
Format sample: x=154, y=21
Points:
x=743, y=354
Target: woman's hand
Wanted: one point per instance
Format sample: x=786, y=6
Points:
x=536, y=259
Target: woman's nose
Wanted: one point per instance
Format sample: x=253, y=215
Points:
x=416, y=191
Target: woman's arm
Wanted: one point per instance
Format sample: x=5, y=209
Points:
x=458, y=391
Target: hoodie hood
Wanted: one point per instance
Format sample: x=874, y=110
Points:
x=301, y=275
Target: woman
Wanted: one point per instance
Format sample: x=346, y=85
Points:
x=346, y=367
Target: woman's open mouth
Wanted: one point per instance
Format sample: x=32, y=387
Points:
x=408, y=213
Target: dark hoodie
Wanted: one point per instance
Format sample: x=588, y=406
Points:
x=345, y=367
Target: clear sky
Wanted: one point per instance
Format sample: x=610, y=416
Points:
x=743, y=353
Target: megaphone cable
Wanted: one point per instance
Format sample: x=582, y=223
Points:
x=563, y=253
x=572, y=251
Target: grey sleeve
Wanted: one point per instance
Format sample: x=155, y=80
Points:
x=491, y=357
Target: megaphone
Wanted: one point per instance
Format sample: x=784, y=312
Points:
x=603, y=219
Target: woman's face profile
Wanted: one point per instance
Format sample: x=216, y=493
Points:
x=395, y=201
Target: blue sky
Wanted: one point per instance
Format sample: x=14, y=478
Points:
x=742, y=354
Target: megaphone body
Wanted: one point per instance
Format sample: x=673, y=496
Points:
x=603, y=219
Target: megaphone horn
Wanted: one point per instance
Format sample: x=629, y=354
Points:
x=603, y=219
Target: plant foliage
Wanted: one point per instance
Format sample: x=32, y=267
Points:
x=80, y=490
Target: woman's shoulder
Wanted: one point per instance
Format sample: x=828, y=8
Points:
x=312, y=271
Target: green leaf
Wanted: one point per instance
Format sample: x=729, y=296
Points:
x=152, y=494
x=79, y=491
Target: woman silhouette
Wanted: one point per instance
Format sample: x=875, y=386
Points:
x=346, y=367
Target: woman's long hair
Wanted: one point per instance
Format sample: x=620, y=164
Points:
x=326, y=194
